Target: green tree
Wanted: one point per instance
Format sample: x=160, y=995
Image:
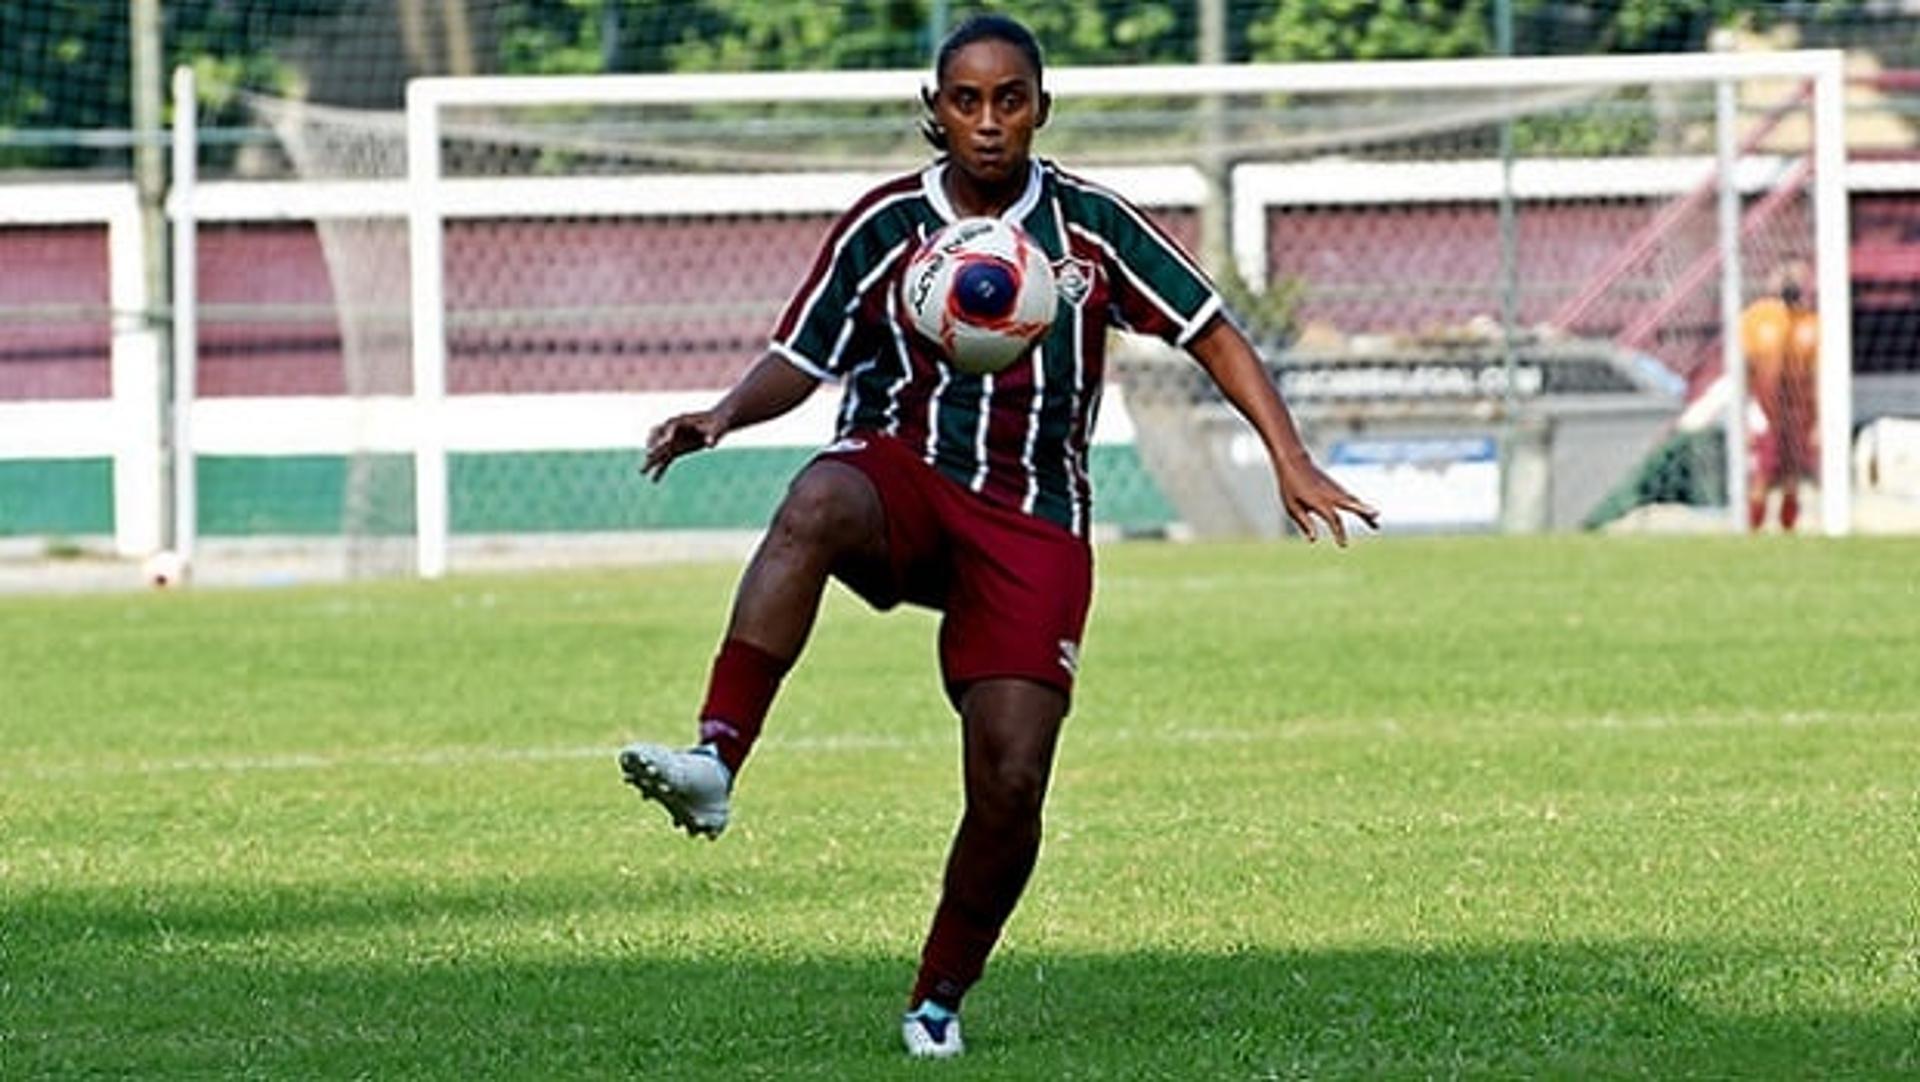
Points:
x=1104, y=32
x=1358, y=30
x=742, y=35
x=60, y=68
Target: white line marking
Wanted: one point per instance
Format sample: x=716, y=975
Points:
x=1167, y=733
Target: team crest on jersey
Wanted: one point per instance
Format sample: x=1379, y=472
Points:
x=1073, y=278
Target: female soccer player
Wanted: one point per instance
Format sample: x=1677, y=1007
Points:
x=967, y=494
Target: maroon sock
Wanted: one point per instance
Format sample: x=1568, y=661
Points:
x=739, y=693
x=954, y=957
x=1789, y=511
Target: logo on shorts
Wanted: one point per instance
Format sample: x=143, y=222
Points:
x=844, y=447
x=1070, y=656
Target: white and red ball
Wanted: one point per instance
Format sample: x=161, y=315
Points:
x=981, y=290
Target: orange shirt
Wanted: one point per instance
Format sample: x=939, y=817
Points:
x=1782, y=347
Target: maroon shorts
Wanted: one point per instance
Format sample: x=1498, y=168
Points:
x=1014, y=589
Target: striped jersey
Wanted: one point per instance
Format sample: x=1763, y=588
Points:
x=1018, y=437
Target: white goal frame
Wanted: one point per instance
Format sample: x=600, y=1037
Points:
x=431, y=198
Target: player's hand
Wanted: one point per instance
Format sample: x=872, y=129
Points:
x=681, y=435
x=1308, y=493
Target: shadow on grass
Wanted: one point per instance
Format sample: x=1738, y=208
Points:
x=88, y=988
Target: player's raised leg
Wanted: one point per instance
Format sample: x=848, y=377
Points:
x=831, y=517
x=1012, y=727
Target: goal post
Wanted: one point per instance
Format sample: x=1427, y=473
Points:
x=542, y=266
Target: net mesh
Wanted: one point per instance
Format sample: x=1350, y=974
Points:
x=365, y=260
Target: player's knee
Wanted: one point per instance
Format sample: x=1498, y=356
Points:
x=823, y=509
x=1010, y=794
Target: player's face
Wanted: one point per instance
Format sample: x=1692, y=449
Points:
x=989, y=102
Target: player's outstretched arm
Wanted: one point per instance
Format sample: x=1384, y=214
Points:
x=770, y=388
x=1306, y=492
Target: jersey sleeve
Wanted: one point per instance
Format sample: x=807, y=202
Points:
x=1154, y=285
x=822, y=319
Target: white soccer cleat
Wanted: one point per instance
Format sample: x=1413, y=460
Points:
x=930, y=1031
x=693, y=785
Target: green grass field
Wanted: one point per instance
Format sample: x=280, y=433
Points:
x=1566, y=808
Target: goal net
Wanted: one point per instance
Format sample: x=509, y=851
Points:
x=1500, y=295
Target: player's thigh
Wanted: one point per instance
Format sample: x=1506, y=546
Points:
x=834, y=506
x=1017, y=606
x=892, y=563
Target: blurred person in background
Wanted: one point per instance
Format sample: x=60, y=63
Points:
x=1780, y=335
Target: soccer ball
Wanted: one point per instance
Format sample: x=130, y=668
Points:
x=165, y=569
x=981, y=290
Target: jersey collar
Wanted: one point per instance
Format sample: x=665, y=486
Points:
x=931, y=184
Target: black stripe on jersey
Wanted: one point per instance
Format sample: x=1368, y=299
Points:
x=1152, y=266
x=814, y=325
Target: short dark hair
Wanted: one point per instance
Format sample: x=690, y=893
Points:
x=988, y=27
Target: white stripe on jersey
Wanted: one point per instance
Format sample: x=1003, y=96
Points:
x=849, y=401
x=1033, y=426
x=840, y=345
x=859, y=291
x=1200, y=320
x=1166, y=307
x=1126, y=207
x=789, y=355
x=1076, y=469
x=932, y=453
x=980, y=438
x=904, y=354
x=839, y=249
x=880, y=270
x=1076, y=465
